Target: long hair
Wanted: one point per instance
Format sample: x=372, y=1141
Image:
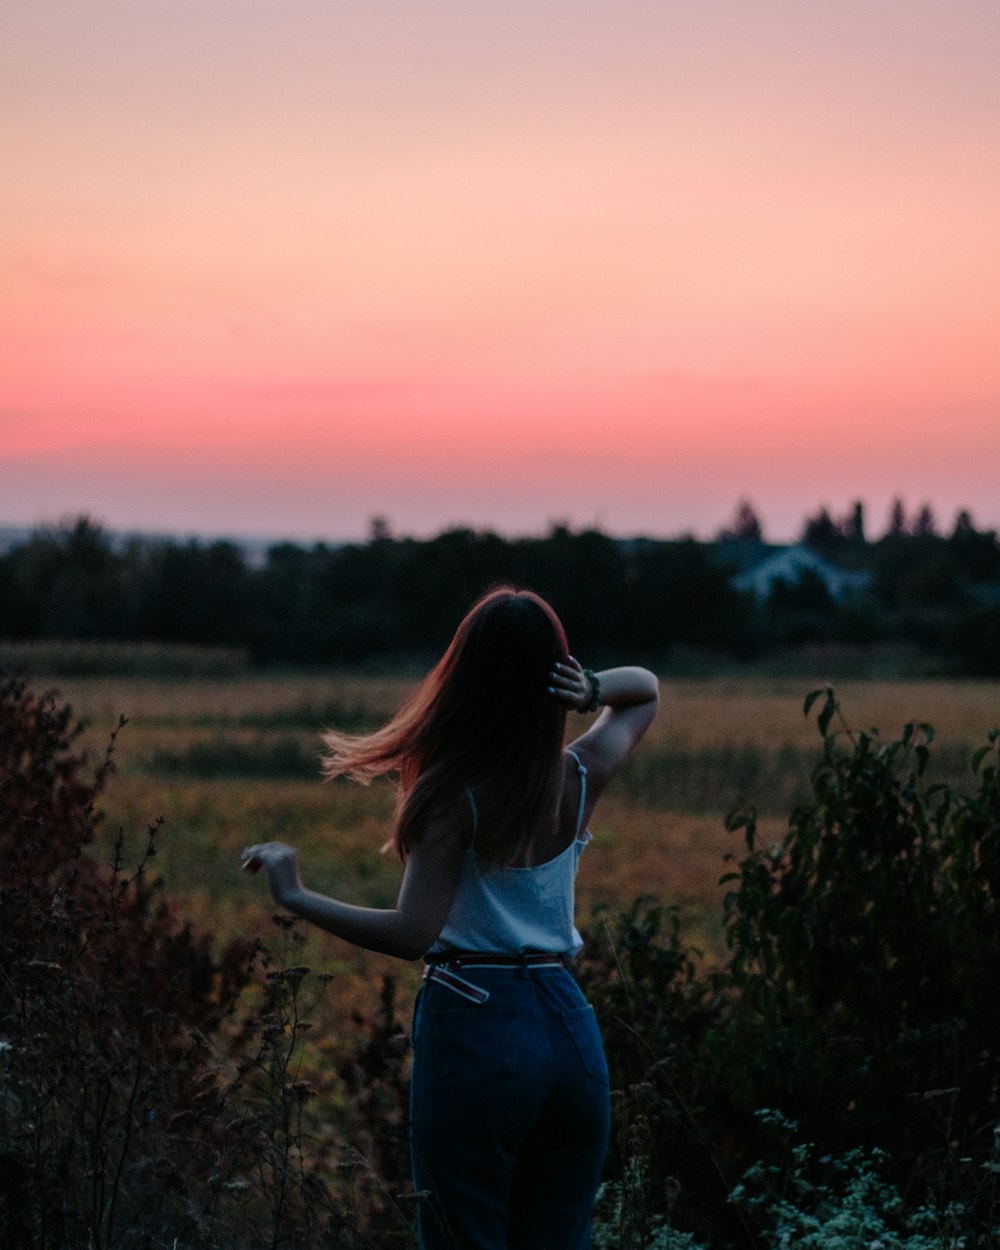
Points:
x=481, y=719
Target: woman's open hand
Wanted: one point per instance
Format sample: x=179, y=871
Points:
x=569, y=684
x=281, y=863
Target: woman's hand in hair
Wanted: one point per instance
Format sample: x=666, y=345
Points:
x=568, y=684
x=281, y=863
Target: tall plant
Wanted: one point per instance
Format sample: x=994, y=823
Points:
x=139, y=1108
x=865, y=946
x=859, y=998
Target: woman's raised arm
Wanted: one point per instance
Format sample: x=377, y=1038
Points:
x=628, y=697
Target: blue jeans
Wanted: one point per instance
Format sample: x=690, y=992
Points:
x=509, y=1112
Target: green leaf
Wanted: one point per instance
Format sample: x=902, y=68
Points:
x=811, y=698
x=826, y=715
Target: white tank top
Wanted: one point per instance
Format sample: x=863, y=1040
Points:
x=499, y=909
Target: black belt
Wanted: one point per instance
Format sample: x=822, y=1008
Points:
x=443, y=967
x=483, y=959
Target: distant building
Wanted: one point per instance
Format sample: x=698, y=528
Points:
x=12, y=536
x=787, y=564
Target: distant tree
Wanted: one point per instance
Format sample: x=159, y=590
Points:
x=67, y=582
x=897, y=519
x=678, y=594
x=931, y=583
x=925, y=523
x=822, y=533
x=975, y=642
x=854, y=524
x=379, y=529
x=197, y=594
x=807, y=593
x=964, y=523
x=745, y=526
x=975, y=554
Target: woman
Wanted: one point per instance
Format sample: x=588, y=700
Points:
x=509, y=1095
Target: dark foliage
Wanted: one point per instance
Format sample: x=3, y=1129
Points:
x=859, y=999
x=858, y=931
x=143, y=1104
x=104, y=994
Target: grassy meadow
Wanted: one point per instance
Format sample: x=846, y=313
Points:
x=231, y=757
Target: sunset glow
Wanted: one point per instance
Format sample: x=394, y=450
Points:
x=274, y=269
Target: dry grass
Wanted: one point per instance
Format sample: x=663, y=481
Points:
x=763, y=711
x=767, y=712
x=227, y=762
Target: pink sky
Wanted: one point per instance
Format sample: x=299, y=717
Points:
x=274, y=269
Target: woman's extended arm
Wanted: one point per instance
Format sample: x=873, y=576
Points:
x=406, y=930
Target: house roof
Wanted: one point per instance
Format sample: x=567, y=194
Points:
x=789, y=563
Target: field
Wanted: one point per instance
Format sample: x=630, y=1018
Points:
x=233, y=759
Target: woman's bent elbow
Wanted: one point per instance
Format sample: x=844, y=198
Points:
x=410, y=950
x=413, y=943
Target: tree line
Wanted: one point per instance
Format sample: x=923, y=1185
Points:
x=398, y=598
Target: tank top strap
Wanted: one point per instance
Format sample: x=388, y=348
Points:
x=475, y=811
x=582, y=773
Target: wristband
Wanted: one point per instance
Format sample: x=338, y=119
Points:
x=594, y=702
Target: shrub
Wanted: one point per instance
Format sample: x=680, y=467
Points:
x=852, y=949
x=820, y=1202
x=143, y=1101
x=103, y=997
x=858, y=999
x=656, y=1008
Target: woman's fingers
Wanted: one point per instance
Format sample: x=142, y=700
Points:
x=567, y=682
x=265, y=852
x=560, y=679
x=256, y=857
